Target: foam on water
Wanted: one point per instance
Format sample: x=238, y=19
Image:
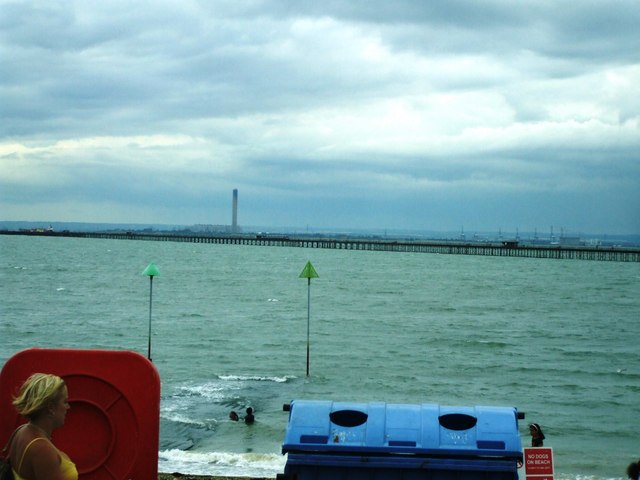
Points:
x=221, y=463
x=241, y=378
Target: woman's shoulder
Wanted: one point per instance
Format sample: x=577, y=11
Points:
x=33, y=453
x=25, y=435
x=27, y=443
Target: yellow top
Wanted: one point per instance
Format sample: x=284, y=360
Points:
x=67, y=467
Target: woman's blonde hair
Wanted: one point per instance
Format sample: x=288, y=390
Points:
x=36, y=393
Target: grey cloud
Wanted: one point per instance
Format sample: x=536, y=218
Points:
x=460, y=106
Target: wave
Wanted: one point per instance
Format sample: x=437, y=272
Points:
x=182, y=433
x=208, y=390
x=180, y=418
x=256, y=378
x=475, y=343
x=263, y=465
x=219, y=390
x=570, y=476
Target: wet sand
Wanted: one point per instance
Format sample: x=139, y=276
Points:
x=180, y=476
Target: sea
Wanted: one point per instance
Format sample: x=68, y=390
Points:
x=230, y=325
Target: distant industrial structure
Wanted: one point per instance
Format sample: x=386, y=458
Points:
x=227, y=229
x=234, y=212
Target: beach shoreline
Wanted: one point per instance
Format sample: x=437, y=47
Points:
x=181, y=476
x=186, y=476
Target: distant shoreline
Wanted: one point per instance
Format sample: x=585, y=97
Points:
x=469, y=235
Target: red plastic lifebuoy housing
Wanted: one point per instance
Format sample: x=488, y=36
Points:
x=112, y=429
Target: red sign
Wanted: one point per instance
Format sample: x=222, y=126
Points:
x=538, y=463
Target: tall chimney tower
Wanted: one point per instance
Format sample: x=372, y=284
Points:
x=234, y=215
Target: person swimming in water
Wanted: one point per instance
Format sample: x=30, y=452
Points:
x=633, y=470
x=537, y=436
x=249, y=418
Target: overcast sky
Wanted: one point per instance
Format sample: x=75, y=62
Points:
x=403, y=114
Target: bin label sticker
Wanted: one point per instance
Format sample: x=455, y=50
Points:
x=456, y=438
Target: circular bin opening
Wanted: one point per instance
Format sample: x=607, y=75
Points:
x=457, y=421
x=348, y=418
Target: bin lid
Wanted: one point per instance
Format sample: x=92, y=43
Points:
x=112, y=428
x=324, y=426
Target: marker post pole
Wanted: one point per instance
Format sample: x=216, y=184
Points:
x=308, y=272
x=151, y=271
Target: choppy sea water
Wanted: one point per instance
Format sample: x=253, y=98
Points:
x=555, y=338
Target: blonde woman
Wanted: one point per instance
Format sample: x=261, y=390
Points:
x=43, y=399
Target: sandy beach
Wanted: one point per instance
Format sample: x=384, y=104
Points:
x=182, y=476
x=172, y=476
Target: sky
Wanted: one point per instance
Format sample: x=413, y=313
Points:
x=405, y=114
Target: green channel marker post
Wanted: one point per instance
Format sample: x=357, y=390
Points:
x=151, y=271
x=308, y=272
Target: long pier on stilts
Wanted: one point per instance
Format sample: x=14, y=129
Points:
x=451, y=247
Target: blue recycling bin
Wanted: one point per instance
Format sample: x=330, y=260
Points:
x=327, y=440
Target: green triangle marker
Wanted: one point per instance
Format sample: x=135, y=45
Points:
x=309, y=272
x=151, y=270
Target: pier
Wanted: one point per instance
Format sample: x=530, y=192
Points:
x=451, y=247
